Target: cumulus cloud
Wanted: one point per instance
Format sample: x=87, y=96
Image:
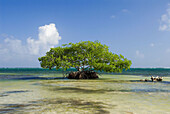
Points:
x=48, y=37
x=139, y=54
x=165, y=21
x=12, y=49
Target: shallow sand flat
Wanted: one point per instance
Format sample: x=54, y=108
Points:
x=109, y=94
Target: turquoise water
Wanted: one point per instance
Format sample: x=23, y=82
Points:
x=132, y=71
x=37, y=91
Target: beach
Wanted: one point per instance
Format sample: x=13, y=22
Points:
x=110, y=94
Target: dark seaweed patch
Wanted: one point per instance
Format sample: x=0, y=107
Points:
x=9, y=92
x=12, y=108
x=85, y=91
x=21, y=91
x=102, y=91
x=3, y=95
x=3, y=111
x=150, y=90
x=95, y=107
x=83, y=105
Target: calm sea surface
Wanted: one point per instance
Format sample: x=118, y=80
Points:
x=37, y=91
x=132, y=71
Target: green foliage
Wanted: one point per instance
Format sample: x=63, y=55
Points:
x=85, y=55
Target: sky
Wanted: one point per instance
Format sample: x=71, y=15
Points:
x=137, y=29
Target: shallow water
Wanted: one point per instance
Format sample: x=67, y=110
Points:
x=115, y=94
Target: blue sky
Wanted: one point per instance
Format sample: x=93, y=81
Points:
x=137, y=29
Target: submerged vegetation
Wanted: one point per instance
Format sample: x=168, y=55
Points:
x=86, y=57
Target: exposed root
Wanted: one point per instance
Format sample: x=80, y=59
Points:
x=83, y=75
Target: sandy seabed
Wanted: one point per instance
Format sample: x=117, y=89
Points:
x=111, y=94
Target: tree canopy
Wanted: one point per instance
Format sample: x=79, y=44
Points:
x=84, y=56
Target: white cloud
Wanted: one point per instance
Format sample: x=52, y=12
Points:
x=163, y=27
x=168, y=50
x=113, y=16
x=152, y=44
x=14, y=46
x=125, y=10
x=3, y=51
x=139, y=55
x=48, y=37
x=13, y=49
x=49, y=34
x=165, y=21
